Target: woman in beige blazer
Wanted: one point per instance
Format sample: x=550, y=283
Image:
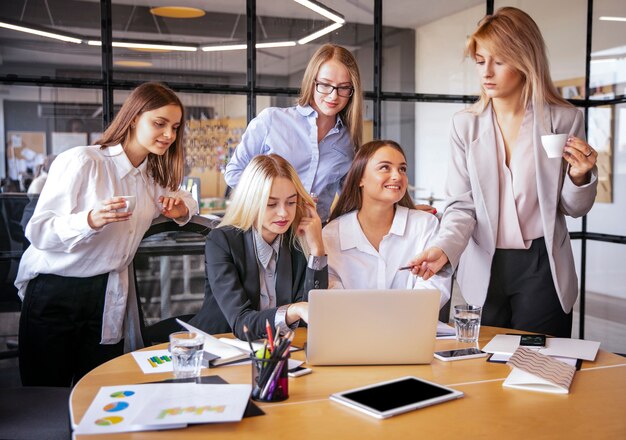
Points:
x=504, y=222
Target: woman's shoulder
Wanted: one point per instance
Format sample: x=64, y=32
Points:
x=419, y=217
x=79, y=156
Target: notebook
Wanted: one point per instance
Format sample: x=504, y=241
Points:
x=537, y=372
x=372, y=327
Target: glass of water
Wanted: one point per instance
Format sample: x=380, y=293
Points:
x=186, y=349
x=467, y=322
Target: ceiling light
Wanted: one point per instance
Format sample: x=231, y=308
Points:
x=177, y=12
x=604, y=60
x=224, y=47
x=605, y=18
x=132, y=63
x=244, y=46
x=146, y=46
x=319, y=33
x=322, y=10
x=41, y=33
x=275, y=44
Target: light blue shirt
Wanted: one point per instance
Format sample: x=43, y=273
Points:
x=292, y=133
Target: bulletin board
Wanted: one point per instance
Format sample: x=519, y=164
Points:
x=26, y=149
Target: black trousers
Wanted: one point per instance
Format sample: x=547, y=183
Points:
x=522, y=295
x=60, y=330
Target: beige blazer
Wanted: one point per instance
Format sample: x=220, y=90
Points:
x=469, y=225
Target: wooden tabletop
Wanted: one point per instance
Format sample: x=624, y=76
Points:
x=594, y=408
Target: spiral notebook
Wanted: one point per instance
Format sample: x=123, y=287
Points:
x=538, y=372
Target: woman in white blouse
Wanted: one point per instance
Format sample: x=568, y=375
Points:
x=375, y=228
x=73, y=279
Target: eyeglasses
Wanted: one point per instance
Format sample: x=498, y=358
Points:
x=327, y=89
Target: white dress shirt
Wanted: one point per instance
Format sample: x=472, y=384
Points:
x=63, y=243
x=353, y=263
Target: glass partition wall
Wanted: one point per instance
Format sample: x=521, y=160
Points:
x=66, y=65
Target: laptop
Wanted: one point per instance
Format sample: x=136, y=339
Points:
x=372, y=327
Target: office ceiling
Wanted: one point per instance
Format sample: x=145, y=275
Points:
x=224, y=23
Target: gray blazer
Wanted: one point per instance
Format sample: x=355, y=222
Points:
x=469, y=225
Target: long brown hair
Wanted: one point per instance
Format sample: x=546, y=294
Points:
x=167, y=170
x=513, y=35
x=352, y=113
x=351, y=198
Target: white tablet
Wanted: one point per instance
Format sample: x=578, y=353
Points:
x=386, y=399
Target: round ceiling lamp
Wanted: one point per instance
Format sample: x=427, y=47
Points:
x=177, y=12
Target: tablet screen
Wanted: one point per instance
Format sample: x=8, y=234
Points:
x=397, y=394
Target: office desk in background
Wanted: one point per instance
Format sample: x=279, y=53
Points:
x=593, y=409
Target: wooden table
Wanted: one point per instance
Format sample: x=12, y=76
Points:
x=595, y=407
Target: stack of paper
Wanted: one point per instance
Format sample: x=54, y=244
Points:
x=537, y=372
x=146, y=407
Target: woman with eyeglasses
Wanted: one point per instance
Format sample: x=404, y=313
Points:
x=320, y=135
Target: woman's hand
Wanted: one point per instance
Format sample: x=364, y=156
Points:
x=428, y=263
x=297, y=311
x=173, y=207
x=581, y=158
x=311, y=227
x=426, y=208
x=107, y=213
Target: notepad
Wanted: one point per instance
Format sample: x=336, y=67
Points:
x=538, y=372
x=226, y=353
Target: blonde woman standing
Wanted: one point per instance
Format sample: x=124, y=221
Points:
x=320, y=135
x=504, y=223
x=265, y=256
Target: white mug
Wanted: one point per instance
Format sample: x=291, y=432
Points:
x=131, y=202
x=554, y=144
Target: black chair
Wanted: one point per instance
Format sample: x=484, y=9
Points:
x=30, y=413
x=15, y=212
x=166, y=238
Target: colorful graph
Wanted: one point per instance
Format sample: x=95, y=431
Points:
x=155, y=361
x=108, y=421
x=121, y=394
x=115, y=406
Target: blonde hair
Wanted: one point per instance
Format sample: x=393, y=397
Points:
x=250, y=197
x=513, y=36
x=167, y=170
x=352, y=113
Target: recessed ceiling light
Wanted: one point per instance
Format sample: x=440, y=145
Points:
x=177, y=12
x=131, y=63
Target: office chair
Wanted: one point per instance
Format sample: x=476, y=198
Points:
x=178, y=240
x=15, y=212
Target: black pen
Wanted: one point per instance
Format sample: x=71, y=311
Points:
x=406, y=267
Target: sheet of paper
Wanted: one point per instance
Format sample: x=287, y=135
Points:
x=128, y=408
x=571, y=348
x=445, y=331
x=153, y=361
x=565, y=347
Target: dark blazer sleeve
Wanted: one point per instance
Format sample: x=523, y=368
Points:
x=231, y=286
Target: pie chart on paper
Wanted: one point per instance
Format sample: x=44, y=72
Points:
x=108, y=421
x=115, y=406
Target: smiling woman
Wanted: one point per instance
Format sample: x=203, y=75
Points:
x=375, y=227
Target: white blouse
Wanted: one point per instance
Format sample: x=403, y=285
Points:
x=353, y=263
x=63, y=243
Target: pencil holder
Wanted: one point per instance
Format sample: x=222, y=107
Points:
x=269, y=378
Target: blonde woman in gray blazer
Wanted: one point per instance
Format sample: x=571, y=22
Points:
x=504, y=223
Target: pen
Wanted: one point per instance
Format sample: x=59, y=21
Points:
x=245, y=330
x=406, y=267
x=270, y=336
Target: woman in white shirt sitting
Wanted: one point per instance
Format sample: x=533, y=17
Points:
x=375, y=227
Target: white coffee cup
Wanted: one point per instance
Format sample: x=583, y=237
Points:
x=554, y=144
x=131, y=202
